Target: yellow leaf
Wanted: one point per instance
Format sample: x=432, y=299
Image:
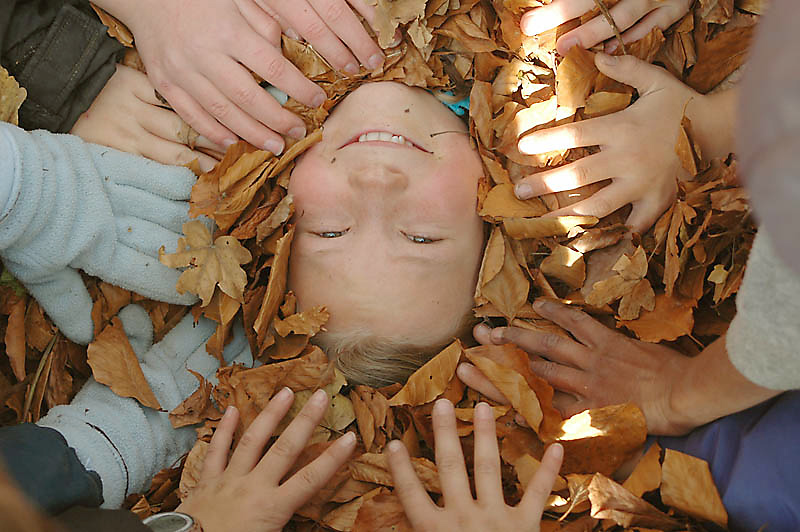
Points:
x=429, y=381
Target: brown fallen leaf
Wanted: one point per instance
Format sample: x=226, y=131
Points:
x=374, y=467
x=114, y=364
x=382, y=513
x=612, y=501
x=646, y=476
x=566, y=265
x=688, y=486
x=197, y=407
x=15, y=337
x=429, y=381
x=508, y=289
x=543, y=227
x=308, y=322
x=210, y=264
x=601, y=439
x=192, y=468
x=575, y=77
x=513, y=386
x=502, y=203
x=671, y=318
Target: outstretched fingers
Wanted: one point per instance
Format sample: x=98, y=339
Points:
x=488, y=485
x=251, y=446
x=449, y=457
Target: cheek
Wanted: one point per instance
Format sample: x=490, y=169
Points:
x=312, y=181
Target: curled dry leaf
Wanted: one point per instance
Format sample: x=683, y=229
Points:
x=15, y=337
x=565, y=264
x=114, y=364
x=429, y=381
x=210, y=264
x=197, y=407
x=687, y=485
x=575, y=78
x=192, y=468
x=308, y=322
x=382, y=513
x=507, y=290
x=612, y=501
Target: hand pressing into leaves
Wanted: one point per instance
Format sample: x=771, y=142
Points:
x=246, y=493
x=637, y=147
x=126, y=115
x=634, y=18
x=600, y=368
x=460, y=510
x=198, y=53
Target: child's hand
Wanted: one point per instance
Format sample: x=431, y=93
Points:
x=460, y=511
x=248, y=495
x=635, y=18
x=127, y=116
x=637, y=147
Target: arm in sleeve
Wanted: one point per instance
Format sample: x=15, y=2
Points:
x=125, y=443
x=763, y=337
x=60, y=52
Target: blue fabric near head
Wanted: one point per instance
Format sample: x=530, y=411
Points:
x=460, y=108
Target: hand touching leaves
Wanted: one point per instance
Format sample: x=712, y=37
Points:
x=246, y=493
x=461, y=511
x=634, y=18
x=637, y=147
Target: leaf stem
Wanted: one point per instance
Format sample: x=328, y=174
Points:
x=610, y=20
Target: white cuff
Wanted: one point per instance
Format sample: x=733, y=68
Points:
x=9, y=185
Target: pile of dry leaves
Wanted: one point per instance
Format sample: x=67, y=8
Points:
x=673, y=284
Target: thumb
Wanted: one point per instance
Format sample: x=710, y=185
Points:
x=632, y=71
x=139, y=328
x=64, y=298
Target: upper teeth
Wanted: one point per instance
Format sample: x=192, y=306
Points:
x=385, y=137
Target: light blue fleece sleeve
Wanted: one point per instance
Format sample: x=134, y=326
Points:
x=9, y=170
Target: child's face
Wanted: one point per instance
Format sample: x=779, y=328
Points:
x=387, y=234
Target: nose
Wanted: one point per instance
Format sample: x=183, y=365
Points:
x=378, y=177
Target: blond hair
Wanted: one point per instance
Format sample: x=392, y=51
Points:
x=377, y=361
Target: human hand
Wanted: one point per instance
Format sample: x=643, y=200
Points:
x=635, y=18
x=80, y=206
x=460, y=510
x=246, y=492
x=600, y=368
x=637, y=148
x=203, y=74
x=127, y=116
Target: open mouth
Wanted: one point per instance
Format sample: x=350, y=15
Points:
x=384, y=137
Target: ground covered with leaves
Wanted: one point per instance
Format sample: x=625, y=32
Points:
x=672, y=285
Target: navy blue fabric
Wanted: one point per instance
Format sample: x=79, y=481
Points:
x=46, y=469
x=754, y=457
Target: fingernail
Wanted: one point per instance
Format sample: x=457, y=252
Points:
x=540, y=304
x=394, y=446
x=605, y=59
x=292, y=34
x=498, y=334
x=443, y=406
x=351, y=68
x=483, y=410
x=557, y=450
x=319, y=99
x=229, y=411
x=523, y=191
x=482, y=328
x=348, y=439
x=227, y=143
x=274, y=146
x=612, y=46
x=319, y=397
x=375, y=61
x=284, y=394
x=566, y=44
x=531, y=23
x=297, y=132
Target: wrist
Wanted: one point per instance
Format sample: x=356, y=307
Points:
x=712, y=119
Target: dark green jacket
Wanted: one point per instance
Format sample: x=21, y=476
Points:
x=60, y=52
